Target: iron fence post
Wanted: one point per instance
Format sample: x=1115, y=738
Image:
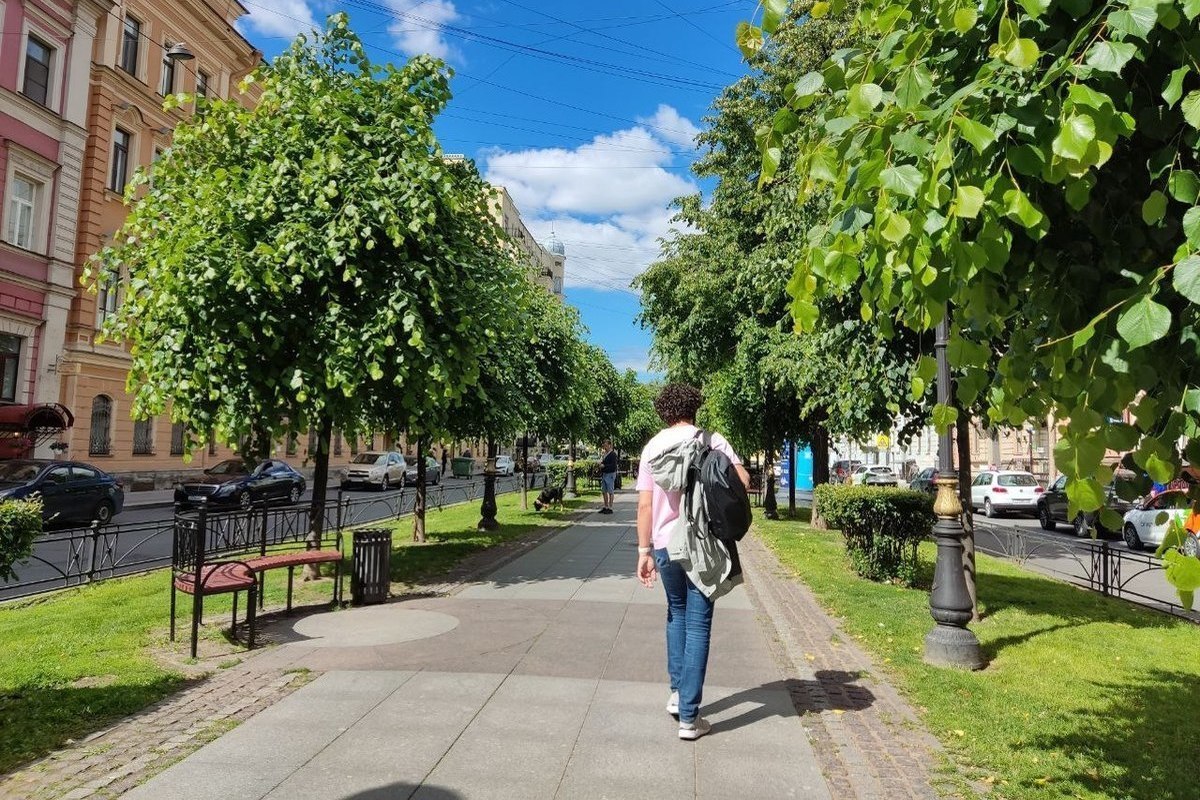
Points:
x=95, y=538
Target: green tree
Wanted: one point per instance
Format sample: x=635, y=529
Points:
x=312, y=261
x=1032, y=167
x=641, y=421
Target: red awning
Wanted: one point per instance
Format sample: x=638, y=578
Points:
x=43, y=419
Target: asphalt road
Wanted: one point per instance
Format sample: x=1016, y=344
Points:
x=141, y=536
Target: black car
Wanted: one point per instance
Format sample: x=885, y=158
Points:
x=1052, y=509
x=71, y=492
x=925, y=481
x=433, y=471
x=233, y=483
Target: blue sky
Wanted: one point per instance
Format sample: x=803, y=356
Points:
x=584, y=111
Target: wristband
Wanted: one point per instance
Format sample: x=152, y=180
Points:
x=645, y=551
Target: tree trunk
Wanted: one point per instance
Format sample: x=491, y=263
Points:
x=820, y=450
x=320, y=485
x=791, y=480
x=964, y=496
x=525, y=472
x=422, y=494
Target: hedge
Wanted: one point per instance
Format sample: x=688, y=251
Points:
x=20, y=524
x=882, y=527
x=557, y=470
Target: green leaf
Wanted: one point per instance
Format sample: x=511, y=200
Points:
x=749, y=39
x=913, y=87
x=864, y=97
x=1144, y=322
x=944, y=417
x=896, y=228
x=1023, y=54
x=1191, y=226
x=1085, y=494
x=807, y=88
x=1191, y=8
x=1184, y=185
x=917, y=388
x=968, y=200
x=1021, y=209
x=1078, y=457
x=1173, y=90
x=965, y=19
x=1154, y=208
x=1110, y=56
x=903, y=180
x=773, y=13
x=819, y=10
x=1186, y=278
x=1191, y=108
x=1134, y=21
x=1074, y=137
x=1035, y=8
x=770, y=164
x=785, y=121
x=980, y=136
x=1161, y=470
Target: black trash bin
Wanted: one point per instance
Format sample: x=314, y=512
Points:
x=370, y=575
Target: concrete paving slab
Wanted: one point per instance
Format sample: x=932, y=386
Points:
x=371, y=626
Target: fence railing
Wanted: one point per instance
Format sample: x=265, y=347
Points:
x=1096, y=564
x=67, y=558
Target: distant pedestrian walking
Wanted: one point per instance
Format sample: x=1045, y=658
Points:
x=689, y=606
x=445, y=460
x=608, y=476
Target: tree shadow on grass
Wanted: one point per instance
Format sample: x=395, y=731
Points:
x=36, y=720
x=1141, y=744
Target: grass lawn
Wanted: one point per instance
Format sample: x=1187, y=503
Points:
x=1083, y=696
x=74, y=661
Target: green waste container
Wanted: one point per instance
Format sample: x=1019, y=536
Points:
x=462, y=467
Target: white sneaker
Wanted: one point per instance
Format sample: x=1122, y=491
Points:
x=673, y=704
x=691, y=731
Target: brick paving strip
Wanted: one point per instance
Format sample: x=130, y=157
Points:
x=869, y=741
x=109, y=762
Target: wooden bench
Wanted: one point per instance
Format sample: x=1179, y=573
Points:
x=223, y=553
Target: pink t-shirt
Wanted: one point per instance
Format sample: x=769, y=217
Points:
x=666, y=504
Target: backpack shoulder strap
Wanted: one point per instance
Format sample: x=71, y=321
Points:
x=705, y=438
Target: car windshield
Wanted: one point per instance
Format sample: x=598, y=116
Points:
x=1017, y=480
x=233, y=466
x=19, y=471
x=369, y=458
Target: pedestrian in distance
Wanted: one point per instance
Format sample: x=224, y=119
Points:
x=689, y=606
x=445, y=460
x=608, y=476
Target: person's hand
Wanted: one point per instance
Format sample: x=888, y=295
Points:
x=646, y=571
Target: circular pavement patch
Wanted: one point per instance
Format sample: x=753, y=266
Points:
x=371, y=626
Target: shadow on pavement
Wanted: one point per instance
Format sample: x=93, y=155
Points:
x=833, y=690
x=402, y=791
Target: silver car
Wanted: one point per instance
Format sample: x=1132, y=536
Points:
x=381, y=470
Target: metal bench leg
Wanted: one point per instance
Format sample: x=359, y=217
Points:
x=262, y=589
x=197, y=614
x=172, y=607
x=291, y=572
x=250, y=617
x=233, y=624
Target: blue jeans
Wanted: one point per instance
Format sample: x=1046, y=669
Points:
x=689, y=625
x=608, y=481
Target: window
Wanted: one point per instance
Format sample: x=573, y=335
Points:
x=558, y=285
x=80, y=473
x=37, y=71
x=58, y=475
x=130, y=44
x=120, y=160
x=108, y=297
x=10, y=358
x=167, y=86
x=100, y=441
x=21, y=198
x=177, y=435
x=202, y=81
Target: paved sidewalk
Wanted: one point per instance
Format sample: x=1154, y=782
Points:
x=547, y=680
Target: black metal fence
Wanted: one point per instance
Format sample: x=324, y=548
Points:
x=67, y=558
x=1100, y=565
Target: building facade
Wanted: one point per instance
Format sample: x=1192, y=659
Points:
x=45, y=49
x=128, y=76
x=547, y=263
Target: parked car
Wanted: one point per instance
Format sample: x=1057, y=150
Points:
x=997, y=491
x=563, y=457
x=925, y=481
x=433, y=471
x=840, y=471
x=1147, y=523
x=505, y=465
x=71, y=492
x=233, y=483
x=382, y=470
x=873, y=475
x=1052, y=509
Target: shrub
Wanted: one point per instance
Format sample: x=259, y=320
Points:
x=20, y=524
x=584, y=469
x=882, y=527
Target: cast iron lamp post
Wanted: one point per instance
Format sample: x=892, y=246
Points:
x=951, y=643
x=487, y=511
x=570, y=491
x=770, y=506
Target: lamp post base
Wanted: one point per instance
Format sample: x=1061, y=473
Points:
x=950, y=646
x=951, y=643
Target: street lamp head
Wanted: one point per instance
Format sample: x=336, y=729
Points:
x=180, y=52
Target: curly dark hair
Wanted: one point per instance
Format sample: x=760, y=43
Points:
x=678, y=402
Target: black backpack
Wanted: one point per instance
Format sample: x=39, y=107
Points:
x=726, y=503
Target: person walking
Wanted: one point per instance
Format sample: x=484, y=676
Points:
x=608, y=476
x=445, y=460
x=689, y=607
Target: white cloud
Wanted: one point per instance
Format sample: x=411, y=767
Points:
x=284, y=18
x=418, y=26
x=672, y=126
x=607, y=200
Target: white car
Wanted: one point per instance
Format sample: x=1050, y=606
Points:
x=873, y=475
x=505, y=465
x=383, y=470
x=544, y=460
x=1147, y=523
x=996, y=491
